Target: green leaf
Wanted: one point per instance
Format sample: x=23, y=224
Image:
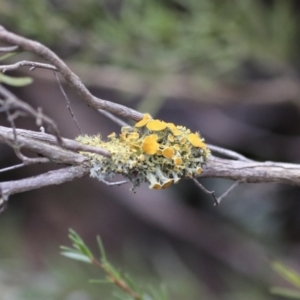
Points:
x=79, y=244
x=129, y=281
x=158, y=293
x=66, y=249
x=7, y=55
x=13, y=81
x=285, y=292
x=100, y=281
x=85, y=250
x=77, y=256
x=102, y=250
x=81, y=253
x=287, y=273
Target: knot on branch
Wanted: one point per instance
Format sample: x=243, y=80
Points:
x=152, y=151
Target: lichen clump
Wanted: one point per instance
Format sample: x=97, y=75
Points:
x=152, y=151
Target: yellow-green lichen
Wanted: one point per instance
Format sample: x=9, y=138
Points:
x=152, y=151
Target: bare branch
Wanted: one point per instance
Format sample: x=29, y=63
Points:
x=252, y=172
x=116, y=183
x=66, y=143
x=12, y=102
x=71, y=78
x=217, y=200
x=12, y=168
x=46, y=144
x=113, y=118
x=47, y=179
x=227, y=153
x=33, y=161
x=3, y=204
x=229, y=190
x=8, y=49
x=53, y=152
x=212, y=193
x=68, y=103
x=28, y=160
x=25, y=63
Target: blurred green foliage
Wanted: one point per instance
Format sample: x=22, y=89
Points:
x=13, y=81
x=127, y=287
x=290, y=276
x=208, y=37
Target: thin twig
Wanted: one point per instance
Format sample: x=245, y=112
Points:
x=113, y=118
x=13, y=102
x=117, y=281
x=118, y=183
x=26, y=63
x=217, y=200
x=55, y=177
x=14, y=143
x=42, y=141
x=71, y=78
x=51, y=151
x=3, y=205
x=252, y=172
x=228, y=153
x=212, y=193
x=12, y=123
x=68, y=103
x=17, y=146
x=12, y=168
x=229, y=190
x=8, y=49
x=27, y=160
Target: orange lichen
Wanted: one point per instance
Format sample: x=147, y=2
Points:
x=178, y=161
x=174, y=129
x=144, y=121
x=170, y=138
x=176, y=147
x=156, y=125
x=150, y=145
x=168, y=152
x=159, y=152
x=199, y=170
x=195, y=140
x=167, y=183
x=155, y=186
x=152, y=151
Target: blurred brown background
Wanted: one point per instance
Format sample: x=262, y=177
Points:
x=229, y=69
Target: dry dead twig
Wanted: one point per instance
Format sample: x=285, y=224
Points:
x=25, y=63
x=252, y=171
x=47, y=179
x=11, y=102
x=71, y=78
